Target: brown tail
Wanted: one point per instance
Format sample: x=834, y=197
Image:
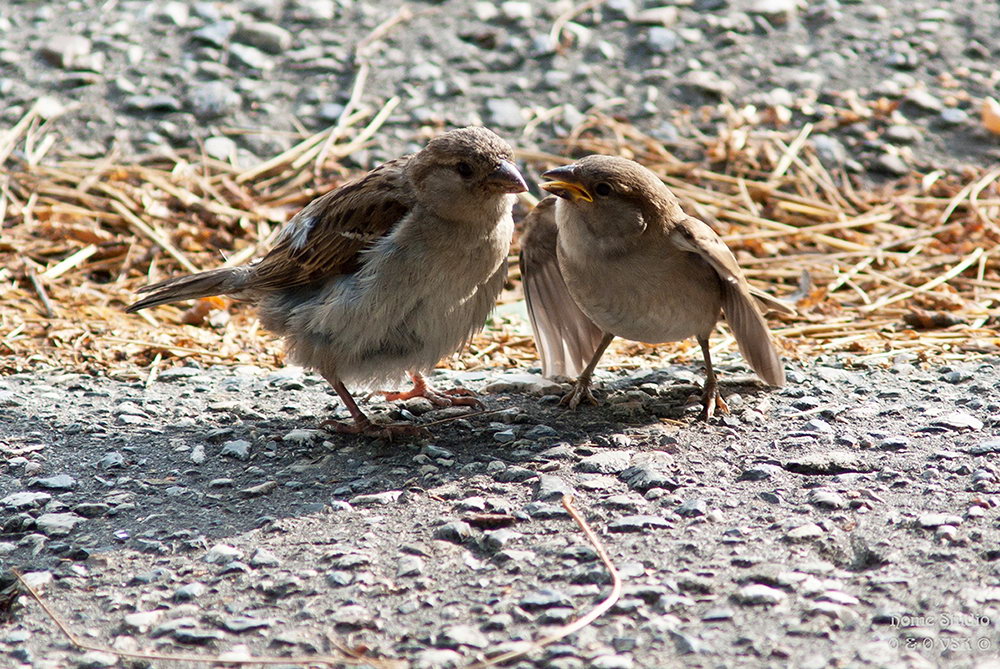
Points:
x=768, y=303
x=752, y=335
x=223, y=281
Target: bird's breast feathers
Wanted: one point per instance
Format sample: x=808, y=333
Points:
x=642, y=296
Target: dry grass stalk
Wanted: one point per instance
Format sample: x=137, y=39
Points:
x=348, y=658
x=570, y=628
x=79, y=236
x=555, y=33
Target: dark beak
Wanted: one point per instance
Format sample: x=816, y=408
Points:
x=563, y=182
x=506, y=178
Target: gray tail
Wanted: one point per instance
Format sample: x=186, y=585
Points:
x=213, y=282
x=752, y=335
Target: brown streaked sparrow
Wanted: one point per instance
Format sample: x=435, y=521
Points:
x=386, y=274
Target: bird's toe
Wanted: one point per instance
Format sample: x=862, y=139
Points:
x=712, y=402
x=580, y=394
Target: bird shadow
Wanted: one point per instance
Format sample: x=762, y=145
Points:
x=167, y=486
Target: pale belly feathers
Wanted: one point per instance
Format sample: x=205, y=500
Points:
x=411, y=304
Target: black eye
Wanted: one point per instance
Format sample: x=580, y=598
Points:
x=464, y=169
x=603, y=189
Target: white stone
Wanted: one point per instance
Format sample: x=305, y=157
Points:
x=758, y=593
x=57, y=524
x=143, y=621
x=222, y=554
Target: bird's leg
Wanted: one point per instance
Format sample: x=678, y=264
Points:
x=363, y=424
x=441, y=398
x=581, y=389
x=361, y=421
x=710, y=397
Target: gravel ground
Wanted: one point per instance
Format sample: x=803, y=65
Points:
x=143, y=75
x=849, y=519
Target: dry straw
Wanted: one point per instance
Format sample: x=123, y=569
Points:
x=909, y=266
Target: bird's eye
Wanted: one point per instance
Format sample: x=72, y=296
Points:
x=603, y=189
x=464, y=169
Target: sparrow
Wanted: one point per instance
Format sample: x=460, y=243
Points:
x=612, y=254
x=385, y=274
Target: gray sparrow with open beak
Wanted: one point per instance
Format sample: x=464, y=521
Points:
x=386, y=274
x=613, y=255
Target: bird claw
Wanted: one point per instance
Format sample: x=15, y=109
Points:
x=462, y=397
x=711, y=400
x=580, y=394
x=443, y=398
x=369, y=429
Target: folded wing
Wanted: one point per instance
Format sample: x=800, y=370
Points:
x=327, y=238
x=738, y=304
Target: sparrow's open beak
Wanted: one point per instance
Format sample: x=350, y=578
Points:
x=563, y=183
x=506, y=178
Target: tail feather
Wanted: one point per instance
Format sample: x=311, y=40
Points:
x=752, y=335
x=223, y=281
x=770, y=303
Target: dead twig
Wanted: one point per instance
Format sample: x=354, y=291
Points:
x=229, y=658
x=933, y=283
x=154, y=236
x=70, y=262
x=791, y=151
x=581, y=622
x=362, y=62
x=43, y=295
x=555, y=34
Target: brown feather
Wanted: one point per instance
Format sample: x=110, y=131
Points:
x=323, y=240
x=225, y=280
x=766, y=303
x=566, y=338
x=327, y=237
x=738, y=300
x=752, y=335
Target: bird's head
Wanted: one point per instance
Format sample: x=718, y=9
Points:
x=612, y=196
x=464, y=172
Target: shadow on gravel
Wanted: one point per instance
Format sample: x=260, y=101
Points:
x=163, y=488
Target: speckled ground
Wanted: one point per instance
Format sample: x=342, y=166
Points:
x=849, y=519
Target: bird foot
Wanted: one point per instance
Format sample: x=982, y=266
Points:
x=369, y=429
x=580, y=394
x=711, y=400
x=441, y=398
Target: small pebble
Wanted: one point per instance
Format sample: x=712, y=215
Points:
x=758, y=593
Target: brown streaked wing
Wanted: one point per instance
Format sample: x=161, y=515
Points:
x=565, y=337
x=327, y=237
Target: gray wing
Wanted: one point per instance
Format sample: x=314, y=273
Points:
x=565, y=337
